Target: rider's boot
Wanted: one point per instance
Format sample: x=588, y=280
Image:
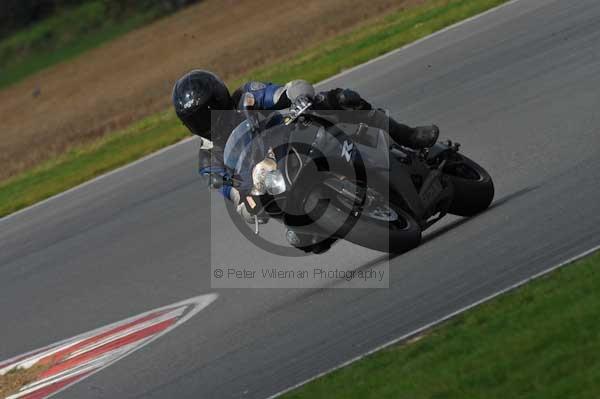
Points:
x=417, y=138
x=424, y=136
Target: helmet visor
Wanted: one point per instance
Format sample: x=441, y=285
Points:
x=198, y=122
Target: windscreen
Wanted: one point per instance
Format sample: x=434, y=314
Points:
x=243, y=150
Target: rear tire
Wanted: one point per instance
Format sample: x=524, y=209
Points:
x=473, y=187
x=369, y=229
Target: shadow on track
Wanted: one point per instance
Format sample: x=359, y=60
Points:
x=496, y=204
x=306, y=294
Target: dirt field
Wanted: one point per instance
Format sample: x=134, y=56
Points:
x=132, y=77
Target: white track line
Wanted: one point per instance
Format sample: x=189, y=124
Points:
x=419, y=41
x=96, y=179
x=405, y=336
x=343, y=73
x=439, y=321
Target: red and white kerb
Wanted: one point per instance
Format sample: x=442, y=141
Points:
x=71, y=360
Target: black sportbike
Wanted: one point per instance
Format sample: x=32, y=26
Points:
x=338, y=180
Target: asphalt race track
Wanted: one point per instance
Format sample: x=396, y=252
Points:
x=519, y=88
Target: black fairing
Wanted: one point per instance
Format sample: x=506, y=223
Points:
x=318, y=149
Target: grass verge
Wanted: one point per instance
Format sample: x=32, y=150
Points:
x=540, y=341
x=77, y=166
x=153, y=133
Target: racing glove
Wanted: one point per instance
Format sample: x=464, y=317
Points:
x=211, y=167
x=341, y=99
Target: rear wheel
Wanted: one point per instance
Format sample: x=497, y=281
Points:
x=381, y=226
x=473, y=186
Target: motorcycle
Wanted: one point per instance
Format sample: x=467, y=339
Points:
x=334, y=181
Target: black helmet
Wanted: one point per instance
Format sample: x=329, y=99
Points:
x=195, y=95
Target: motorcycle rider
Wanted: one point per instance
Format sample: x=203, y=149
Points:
x=199, y=92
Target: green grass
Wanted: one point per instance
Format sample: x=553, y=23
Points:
x=79, y=165
x=540, y=341
x=315, y=64
x=62, y=37
x=395, y=30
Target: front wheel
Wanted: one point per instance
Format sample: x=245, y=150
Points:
x=381, y=226
x=473, y=186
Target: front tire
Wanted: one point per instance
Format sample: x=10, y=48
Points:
x=473, y=187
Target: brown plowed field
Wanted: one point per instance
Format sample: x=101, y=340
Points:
x=131, y=77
